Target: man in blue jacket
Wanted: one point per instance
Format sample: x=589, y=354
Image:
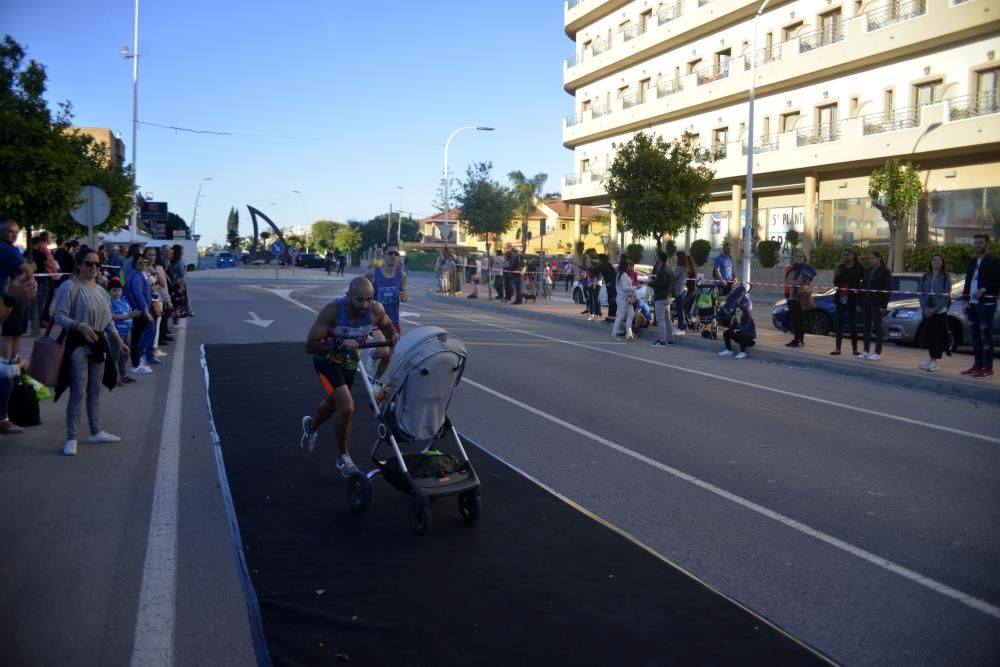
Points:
x=140, y=298
x=982, y=286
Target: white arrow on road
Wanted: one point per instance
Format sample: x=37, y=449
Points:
x=259, y=322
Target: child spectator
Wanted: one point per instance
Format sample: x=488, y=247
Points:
x=122, y=315
x=741, y=330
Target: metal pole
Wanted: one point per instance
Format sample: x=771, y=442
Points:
x=135, y=122
x=447, y=202
x=748, y=216
x=194, y=215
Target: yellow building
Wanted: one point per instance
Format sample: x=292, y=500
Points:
x=841, y=86
x=104, y=136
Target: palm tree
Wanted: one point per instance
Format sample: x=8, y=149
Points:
x=526, y=193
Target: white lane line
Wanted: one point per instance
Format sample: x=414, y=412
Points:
x=753, y=385
x=153, y=644
x=883, y=563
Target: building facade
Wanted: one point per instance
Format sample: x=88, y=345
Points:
x=841, y=86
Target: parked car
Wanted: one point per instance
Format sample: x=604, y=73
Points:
x=224, y=260
x=905, y=324
x=819, y=322
x=310, y=260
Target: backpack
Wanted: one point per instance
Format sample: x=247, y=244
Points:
x=22, y=408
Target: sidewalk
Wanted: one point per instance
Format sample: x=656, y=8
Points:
x=898, y=365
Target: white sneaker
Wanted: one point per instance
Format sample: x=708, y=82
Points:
x=931, y=366
x=874, y=357
x=862, y=355
x=630, y=336
x=741, y=355
x=69, y=449
x=309, y=436
x=142, y=369
x=159, y=353
x=679, y=332
x=346, y=466
x=726, y=353
x=103, y=436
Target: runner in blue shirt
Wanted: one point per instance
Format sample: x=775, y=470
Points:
x=389, y=281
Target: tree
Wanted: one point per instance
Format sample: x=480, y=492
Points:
x=348, y=239
x=324, y=229
x=43, y=162
x=439, y=202
x=264, y=236
x=233, y=229
x=894, y=189
x=527, y=192
x=486, y=207
x=656, y=188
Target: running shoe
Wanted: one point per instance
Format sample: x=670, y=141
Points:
x=874, y=357
x=103, y=436
x=346, y=466
x=657, y=343
x=741, y=355
x=726, y=353
x=308, y=441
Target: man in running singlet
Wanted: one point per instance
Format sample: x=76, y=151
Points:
x=389, y=281
x=333, y=340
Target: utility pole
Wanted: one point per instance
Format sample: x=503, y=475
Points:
x=388, y=226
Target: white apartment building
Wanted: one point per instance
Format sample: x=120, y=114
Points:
x=841, y=86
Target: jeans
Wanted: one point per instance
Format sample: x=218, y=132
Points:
x=612, y=301
x=849, y=311
x=139, y=328
x=121, y=358
x=6, y=386
x=498, y=285
x=518, y=295
x=663, y=320
x=873, y=326
x=798, y=320
x=936, y=331
x=625, y=313
x=980, y=330
x=593, y=295
x=744, y=341
x=84, y=373
x=681, y=315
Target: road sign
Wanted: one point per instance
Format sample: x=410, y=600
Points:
x=277, y=247
x=293, y=252
x=94, y=210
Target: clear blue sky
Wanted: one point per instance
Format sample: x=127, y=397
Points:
x=342, y=101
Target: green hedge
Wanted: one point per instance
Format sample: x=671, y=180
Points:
x=418, y=260
x=956, y=255
x=700, y=250
x=768, y=253
x=826, y=256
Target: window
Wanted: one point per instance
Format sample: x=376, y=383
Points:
x=584, y=165
x=988, y=87
x=722, y=59
x=768, y=46
x=643, y=90
x=791, y=31
x=584, y=228
x=720, y=136
x=854, y=106
x=888, y=104
x=788, y=121
x=826, y=122
x=829, y=25
x=644, y=19
x=563, y=226
x=693, y=66
x=926, y=93
x=622, y=92
x=766, y=126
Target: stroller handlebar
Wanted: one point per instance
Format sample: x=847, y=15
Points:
x=374, y=344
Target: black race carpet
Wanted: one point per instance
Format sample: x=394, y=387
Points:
x=534, y=582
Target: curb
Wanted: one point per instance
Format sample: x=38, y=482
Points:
x=924, y=382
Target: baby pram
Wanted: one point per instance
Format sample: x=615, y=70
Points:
x=530, y=288
x=706, y=307
x=738, y=298
x=427, y=365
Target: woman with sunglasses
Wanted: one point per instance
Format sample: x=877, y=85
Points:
x=83, y=309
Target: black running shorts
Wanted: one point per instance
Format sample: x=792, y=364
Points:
x=333, y=375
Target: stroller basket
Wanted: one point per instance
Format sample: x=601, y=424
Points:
x=431, y=469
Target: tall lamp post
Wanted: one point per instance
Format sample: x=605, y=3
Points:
x=447, y=200
x=194, y=216
x=135, y=117
x=748, y=216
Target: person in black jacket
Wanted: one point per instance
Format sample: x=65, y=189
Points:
x=663, y=289
x=847, y=279
x=875, y=287
x=982, y=287
x=609, y=274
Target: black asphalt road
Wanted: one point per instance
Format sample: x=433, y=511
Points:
x=860, y=517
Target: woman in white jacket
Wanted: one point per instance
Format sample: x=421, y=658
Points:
x=625, y=297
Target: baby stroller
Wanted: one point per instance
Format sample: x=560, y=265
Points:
x=530, y=288
x=738, y=298
x=427, y=365
x=706, y=306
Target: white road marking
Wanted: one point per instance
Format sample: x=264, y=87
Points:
x=753, y=385
x=254, y=319
x=883, y=563
x=153, y=643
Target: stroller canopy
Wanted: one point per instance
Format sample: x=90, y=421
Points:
x=427, y=364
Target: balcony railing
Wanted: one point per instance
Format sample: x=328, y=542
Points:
x=668, y=14
x=584, y=177
x=822, y=37
x=573, y=119
x=897, y=119
x=571, y=179
x=970, y=106
x=634, y=99
x=895, y=13
x=633, y=31
x=709, y=74
x=668, y=87
x=762, y=144
x=597, y=112
x=600, y=46
x=819, y=134
x=768, y=54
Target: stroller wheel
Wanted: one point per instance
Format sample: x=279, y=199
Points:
x=470, y=506
x=420, y=516
x=359, y=492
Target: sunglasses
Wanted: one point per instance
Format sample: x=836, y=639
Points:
x=392, y=252
x=92, y=265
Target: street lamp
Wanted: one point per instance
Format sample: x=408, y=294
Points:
x=447, y=200
x=194, y=216
x=135, y=116
x=748, y=221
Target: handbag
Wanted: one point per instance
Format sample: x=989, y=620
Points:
x=47, y=352
x=806, y=298
x=22, y=406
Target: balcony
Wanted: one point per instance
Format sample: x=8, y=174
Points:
x=898, y=119
x=668, y=87
x=768, y=54
x=668, y=14
x=822, y=37
x=895, y=13
x=819, y=134
x=710, y=74
x=634, y=99
x=762, y=144
x=972, y=106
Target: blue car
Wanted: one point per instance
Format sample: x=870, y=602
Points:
x=225, y=260
x=819, y=322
